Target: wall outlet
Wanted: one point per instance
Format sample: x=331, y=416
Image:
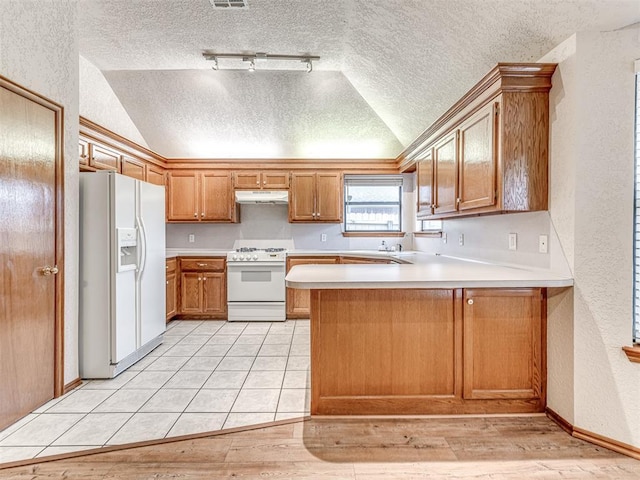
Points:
x=461, y=239
x=323, y=237
x=543, y=244
x=444, y=237
x=192, y=238
x=513, y=241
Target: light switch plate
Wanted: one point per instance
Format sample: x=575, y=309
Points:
x=323, y=237
x=192, y=238
x=461, y=239
x=513, y=241
x=444, y=237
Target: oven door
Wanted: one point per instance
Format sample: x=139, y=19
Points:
x=256, y=282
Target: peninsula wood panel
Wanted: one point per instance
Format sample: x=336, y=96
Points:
x=384, y=351
x=360, y=260
x=503, y=344
x=445, y=186
x=298, y=302
x=424, y=175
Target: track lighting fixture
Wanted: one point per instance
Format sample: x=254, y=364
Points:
x=260, y=61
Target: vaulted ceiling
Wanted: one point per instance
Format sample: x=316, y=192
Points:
x=388, y=68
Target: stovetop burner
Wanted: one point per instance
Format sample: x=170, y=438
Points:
x=253, y=249
x=246, y=249
x=275, y=249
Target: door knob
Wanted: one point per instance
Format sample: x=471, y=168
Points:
x=470, y=301
x=46, y=271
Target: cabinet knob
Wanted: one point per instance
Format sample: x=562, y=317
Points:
x=264, y=182
x=317, y=214
x=257, y=182
x=167, y=282
x=47, y=270
x=201, y=264
x=195, y=215
x=470, y=301
x=202, y=214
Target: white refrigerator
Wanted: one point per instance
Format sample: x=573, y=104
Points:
x=122, y=272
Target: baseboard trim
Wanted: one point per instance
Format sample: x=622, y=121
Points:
x=587, y=436
x=71, y=385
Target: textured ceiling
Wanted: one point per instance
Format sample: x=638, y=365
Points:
x=388, y=68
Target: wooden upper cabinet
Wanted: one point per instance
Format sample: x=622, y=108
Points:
x=83, y=152
x=155, y=175
x=477, y=159
x=316, y=197
x=134, y=168
x=445, y=185
x=424, y=174
x=205, y=196
x=104, y=158
x=261, y=180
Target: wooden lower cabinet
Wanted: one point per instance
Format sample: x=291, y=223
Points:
x=203, y=288
x=427, y=351
x=172, y=289
x=298, y=303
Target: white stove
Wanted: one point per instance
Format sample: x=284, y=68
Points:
x=255, y=280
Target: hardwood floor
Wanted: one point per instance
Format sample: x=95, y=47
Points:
x=514, y=447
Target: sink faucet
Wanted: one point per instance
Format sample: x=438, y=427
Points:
x=399, y=247
x=383, y=247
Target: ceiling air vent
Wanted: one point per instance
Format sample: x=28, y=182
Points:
x=232, y=4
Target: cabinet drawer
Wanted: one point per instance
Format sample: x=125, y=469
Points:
x=172, y=263
x=202, y=264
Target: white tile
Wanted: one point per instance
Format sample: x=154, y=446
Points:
x=269, y=363
x=282, y=328
x=235, y=328
x=274, y=350
x=294, y=400
x=94, y=429
x=182, y=350
x=246, y=339
x=257, y=328
x=142, y=364
x=300, y=349
x=236, y=363
x=125, y=400
x=159, y=350
x=202, y=363
x=218, y=339
x=298, y=363
x=226, y=379
x=42, y=430
x=277, y=339
x=289, y=415
x=169, y=400
x=171, y=339
x=81, y=401
x=208, y=328
x=149, y=380
x=256, y=400
x=296, y=379
x=213, y=400
x=111, y=383
x=167, y=364
x=17, y=425
x=301, y=339
x=300, y=330
x=242, y=350
x=264, y=379
x=188, y=379
x=242, y=419
x=144, y=426
x=65, y=449
x=195, y=340
x=190, y=423
x=209, y=350
x=13, y=454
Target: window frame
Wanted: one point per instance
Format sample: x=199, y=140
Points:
x=376, y=180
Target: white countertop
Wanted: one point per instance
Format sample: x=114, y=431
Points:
x=423, y=271
x=196, y=252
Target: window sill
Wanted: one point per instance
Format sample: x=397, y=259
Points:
x=633, y=353
x=427, y=234
x=373, y=234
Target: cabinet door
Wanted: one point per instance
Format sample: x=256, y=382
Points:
x=214, y=292
x=191, y=292
x=182, y=199
x=503, y=343
x=172, y=296
x=360, y=260
x=477, y=174
x=445, y=158
x=155, y=175
x=246, y=180
x=104, y=158
x=424, y=175
x=298, y=302
x=83, y=152
x=329, y=194
x=133, y=168
x=302, y=201
x=275, y=180
x=217, y=197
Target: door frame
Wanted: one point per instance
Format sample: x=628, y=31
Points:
x=58, y=110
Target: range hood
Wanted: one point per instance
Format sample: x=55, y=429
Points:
x=262, y=196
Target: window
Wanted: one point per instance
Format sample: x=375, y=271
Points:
x=429, y=225
x=372, y=203
x=636, y=229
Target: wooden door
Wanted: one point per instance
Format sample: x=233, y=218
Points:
x=133, y=168
x=217, y=197
x=155, y=175
x=504, y=344
x=104, y=158
x=183, y=200
x=298, y=302
x=329, y=195
x=214, y=292
x=303, y=193
x=172, y=295
x=246, y=180
x=424, y=185
x=190, y=292
x=477, y=175
x=445, y=158
x=31, y=222
x=275, y=180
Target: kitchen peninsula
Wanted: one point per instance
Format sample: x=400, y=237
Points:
x=437, y=336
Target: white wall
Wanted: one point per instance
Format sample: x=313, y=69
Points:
x=39, y=50
x=100, y=104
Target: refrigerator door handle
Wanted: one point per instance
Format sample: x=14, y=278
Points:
x=143, y=246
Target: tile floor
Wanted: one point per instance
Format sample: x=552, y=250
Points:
x=207, y=375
